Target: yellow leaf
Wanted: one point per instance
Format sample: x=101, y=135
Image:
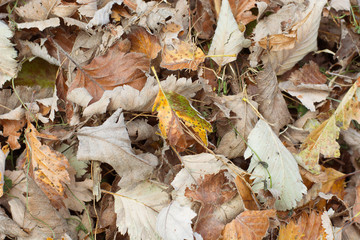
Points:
x=172, y=108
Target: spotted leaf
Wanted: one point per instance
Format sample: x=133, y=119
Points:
x=173, y=108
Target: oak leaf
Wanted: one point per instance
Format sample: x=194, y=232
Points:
x=48, y=167
x=322, y=140
x=249, y=225
x=115, y=68
x=172, y=108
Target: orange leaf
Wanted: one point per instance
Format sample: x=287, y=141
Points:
x=289, y=231
x=11, y=129
x=249, y=225
x=111, y=70
x=143, y=42
x=181, y=55
x=310, y=226
x=47, y=167
x=247, y=197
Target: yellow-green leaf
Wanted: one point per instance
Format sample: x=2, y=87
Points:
x=322, y=140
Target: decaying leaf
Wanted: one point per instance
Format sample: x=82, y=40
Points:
x=173, y=108
x=174, y=222
x=203, y=19
x=113, y=146
x=48, y=167
x=181, y=55
x=9, y=227
x=115, y=68
x=137, y=208
x=271, y=102
x=8, y=64
x=228, y=39
x=249, y=225
x=308, y=16
x=212, y=191
x=241, y=10
x=307, y=84
x=272, y=163
x=322, y=140
x=144, y=42
x=289, y=231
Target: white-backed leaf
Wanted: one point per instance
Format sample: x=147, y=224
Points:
x=137, y=208
x=279, y=162
x=8, y=64
x=228, y=39
x=174, y=222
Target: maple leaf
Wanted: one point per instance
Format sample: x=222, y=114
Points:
x=181, y=55
x=249, y=225
x=48, y=167
x=113, y=69
x=172, y=108
x=322, y=140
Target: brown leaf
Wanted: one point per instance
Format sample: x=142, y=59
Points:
x=48, y=167
x=144, y=42
x=289, y=231
x=246, y=194
x=115, y=68
x=241, y=10
x=181, y=55
x=211, y=192
x=203, y=20
x=308, y=74
x=11, y=129
x=310, y=226
x=356, y=209
x=271, y=102
x=249, y=225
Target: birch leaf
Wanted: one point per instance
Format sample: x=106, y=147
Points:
x=228, y=39
x=322, y=140
x=137, y=208
x=270, y=157
x=174, y=222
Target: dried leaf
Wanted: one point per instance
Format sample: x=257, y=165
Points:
x=48, y=167
x=244, y=189
x=249, y=225
x=174, y=222
x=144, y=42
x=8, y=64
x=289, y=231
x=271, y=102
x=281, y=171
x=308, y=85
x=137, y=208
x=310, y=226
x=241, y=10
x=9, y=227
x=113, y=146
x=11, y=129
x=181, y=55
x=212, y=191
x=356, y=209
x=203, y=19
x=102, y=16
x=172, y=108
x=322, y=140
x=113, y=69
x=228, y=39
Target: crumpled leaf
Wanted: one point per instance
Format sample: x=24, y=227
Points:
x=249, y=225
x=144, y=42
x=113, y=69
x=137, y=208
x=113, y=146
x=131, y=99
x=8, y=64
x=228, y=39
x=174, y=222
x=322, y=140
x=271, y=102
x=307, y=84
x=181, y=55
x=241, y=10
x=306, y=34
x=173, y=108
x=48, y=167
x=231, y=144
x=212, y=191
x=273, y=163
x=102, y=16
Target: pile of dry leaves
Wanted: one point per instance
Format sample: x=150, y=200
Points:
x=199, y=119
